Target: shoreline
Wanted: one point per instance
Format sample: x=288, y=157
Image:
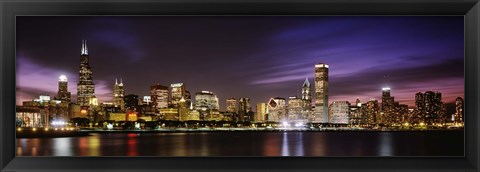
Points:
x=88, y=132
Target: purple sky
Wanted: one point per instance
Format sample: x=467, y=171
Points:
x=249, y=56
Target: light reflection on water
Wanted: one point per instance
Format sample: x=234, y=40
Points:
x=247, y=144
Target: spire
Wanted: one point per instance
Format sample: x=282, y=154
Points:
x=84, y=48
x=116, y=81
x=121, y=82
x=306, y=83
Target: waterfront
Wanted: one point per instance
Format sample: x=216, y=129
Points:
x=274, y=143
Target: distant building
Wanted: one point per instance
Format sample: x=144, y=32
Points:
x=177, y=92
x=321, y=93
x=458, y=117
x=244, y=110
x=276, y=109
x=85, y=86
x=306, y=95
x=63, y=94
x=231, y=105
x=205, y=101
x=373, y=112
x=118, y=95
x=158, y=96
x=339, y=112
x=262, y=111
x=295, y=109
x=429, y=108
x=131, y=101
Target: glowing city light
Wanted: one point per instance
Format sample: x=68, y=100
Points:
x=62, y=78
x=385, y=88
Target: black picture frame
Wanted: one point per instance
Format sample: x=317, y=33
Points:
x=11, y=8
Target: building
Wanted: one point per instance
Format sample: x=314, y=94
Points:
x=306, y=95
x=177, y=92
x=429, y=108
x=40, y=112
x=372, y=112
x=158, y=97
x=295, y=109
x=262, y=111
x=276, y=109
x=206, y=101
x=131, y=102
x=244, y=110
x=387, y=100
x=321, y=93
x=85, y=86
x=231, y=105
x=118, y=94
x=458, y=116
x=147, y=100
x=63, y=94
x=339, y=112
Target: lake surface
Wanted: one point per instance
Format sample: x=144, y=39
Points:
x=292, y=143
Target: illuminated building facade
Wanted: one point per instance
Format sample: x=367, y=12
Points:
x=177, y=92
x=339, y=112
x=244, y=109
x=118, y=94
x=231, y=105
x=387, y=100
x=262, y=111
x=429, y=108
x=158, y=96
x=276, y=109
x=205, y=101
x=458, y=117
x=85, y=86
x=307, y=95
x=63, y=94
x=295, y=109
x=372, y=112
x=321, y=93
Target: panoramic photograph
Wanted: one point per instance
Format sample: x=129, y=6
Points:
x=263, y=86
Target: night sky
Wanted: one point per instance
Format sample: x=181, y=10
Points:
x=249, y=56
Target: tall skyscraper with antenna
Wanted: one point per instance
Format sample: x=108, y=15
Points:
x=85, y=86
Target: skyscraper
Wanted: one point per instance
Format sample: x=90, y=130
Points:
x=231, y=105
x=159, y=96
x=294, y=109
x=243, y=109
x=321, y=93
x=261, y=112
x=177, y=92
x=458, y=110
x=205, y=101
x=118, y=94
x=85, y=86
x=307, y=94
x=387, y=100
x=63, y=94
x=339, y=112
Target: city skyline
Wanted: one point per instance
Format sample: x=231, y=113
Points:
x=440, y=69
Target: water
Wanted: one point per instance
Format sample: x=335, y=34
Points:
x=431, y=143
